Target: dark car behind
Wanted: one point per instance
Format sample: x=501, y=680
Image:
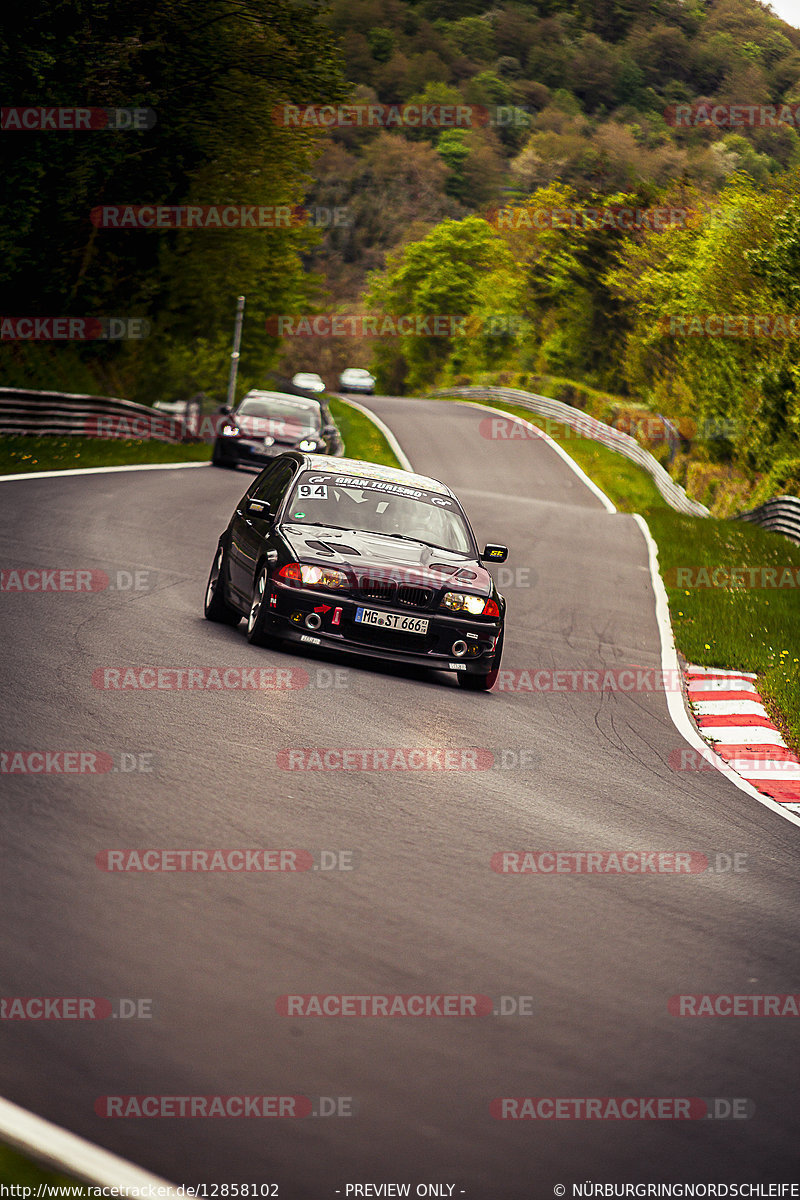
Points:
x=268, y=423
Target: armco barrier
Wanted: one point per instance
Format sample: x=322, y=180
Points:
x=781, y=515
x=70, y=414
x=589, y=427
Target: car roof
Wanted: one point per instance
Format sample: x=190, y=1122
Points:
x=371, y=470
x=300, y=401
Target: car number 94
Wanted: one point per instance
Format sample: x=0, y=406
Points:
x=371, y=616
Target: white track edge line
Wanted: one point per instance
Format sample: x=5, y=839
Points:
x=102, y=470
x=669, y=662
x=57, y=1147
x=403, y=458
x=608, y=505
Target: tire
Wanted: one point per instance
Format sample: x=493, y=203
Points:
x=216, y=607
x=218, y=461
x=256, y=619
x=483, y=683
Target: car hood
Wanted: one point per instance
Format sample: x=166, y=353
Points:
x=386, y=557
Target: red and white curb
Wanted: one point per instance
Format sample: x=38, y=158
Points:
x=728, y=710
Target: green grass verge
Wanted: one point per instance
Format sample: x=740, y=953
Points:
x=20, y=454
x=16, y=1168
x=362, y=439
x=735, y=627
x=740, y=627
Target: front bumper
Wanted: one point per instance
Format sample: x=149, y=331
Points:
x=288, y=608
x=246, y=451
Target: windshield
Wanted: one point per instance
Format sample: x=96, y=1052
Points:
x=281, y=417
x=377, y=506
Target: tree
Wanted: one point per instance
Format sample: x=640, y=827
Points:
x=215, y=142
x=440, y=275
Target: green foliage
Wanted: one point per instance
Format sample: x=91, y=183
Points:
x=20, y=455
x=737, y=260
x=452, y=148
x=749, y=629
x=440, y=275
x=473, y=37
x=213, y=79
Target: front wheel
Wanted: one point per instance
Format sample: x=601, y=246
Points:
x=216, y=606
x=256, y=620
x=484, y=683
x=217, y=460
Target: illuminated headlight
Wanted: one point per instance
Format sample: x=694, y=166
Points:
x=463, y=602
x=229, y=431
x=326, y=577
x=306, y=444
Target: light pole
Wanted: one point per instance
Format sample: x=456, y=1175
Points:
x=237, y=338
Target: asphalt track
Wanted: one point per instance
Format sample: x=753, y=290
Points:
x=422, y=912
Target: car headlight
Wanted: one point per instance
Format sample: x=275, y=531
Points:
x=302, y=573
x=464, y=602
x=229, y=431
x=307, y=444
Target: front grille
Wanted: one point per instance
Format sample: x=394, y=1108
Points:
x=376, y=589
x=414, y=597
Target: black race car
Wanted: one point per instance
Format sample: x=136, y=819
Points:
x=362, y=559
x=267, y=423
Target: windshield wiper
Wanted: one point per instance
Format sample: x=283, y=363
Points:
x=322, y=525
x=407, y=538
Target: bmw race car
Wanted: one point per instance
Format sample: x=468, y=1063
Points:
x=362, y=559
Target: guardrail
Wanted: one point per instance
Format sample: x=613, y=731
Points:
x=589, y=427
x=781, y=515
x=75, y=414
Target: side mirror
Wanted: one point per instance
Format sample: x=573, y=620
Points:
x=494, y=554
x=258, y=508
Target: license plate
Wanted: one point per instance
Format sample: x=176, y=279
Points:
x=371, y=616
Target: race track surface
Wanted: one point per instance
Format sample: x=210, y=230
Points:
x=422, y=911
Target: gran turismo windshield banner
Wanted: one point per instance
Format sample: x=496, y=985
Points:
x=315, y=484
